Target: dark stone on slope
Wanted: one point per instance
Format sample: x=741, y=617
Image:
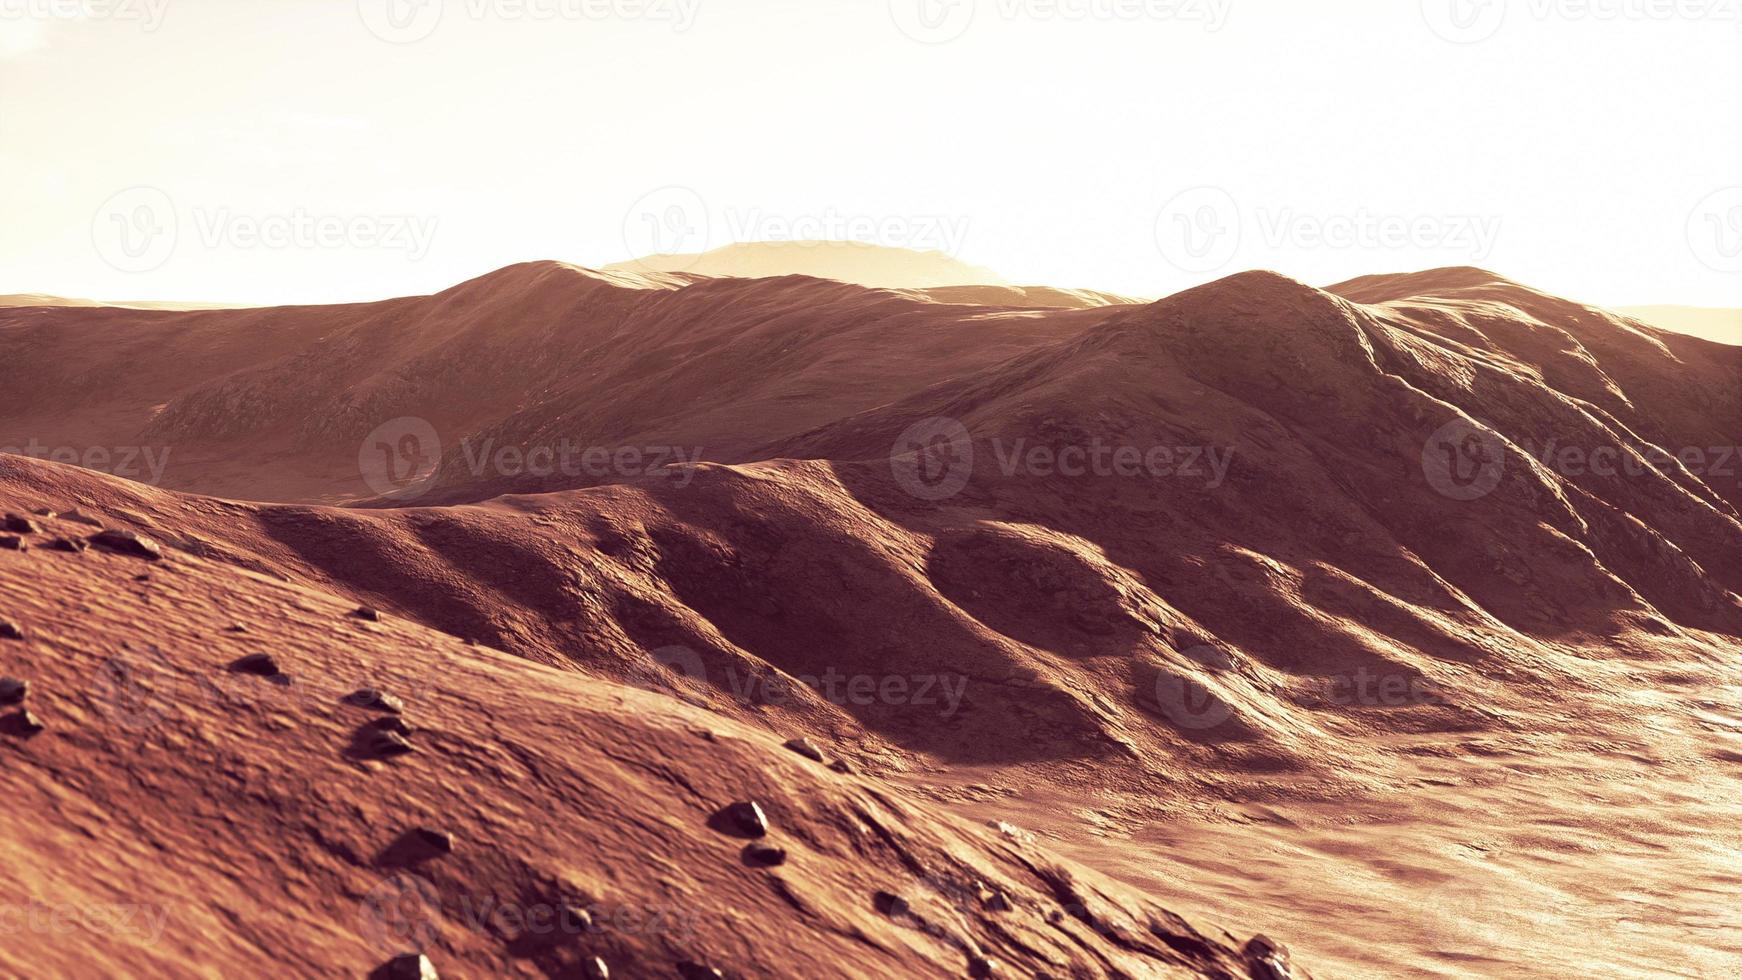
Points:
x=21, y=724
x=258, y=664
x=128, y=543
x=764, y=855
x=744, y=819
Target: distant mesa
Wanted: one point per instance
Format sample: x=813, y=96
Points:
x=876, y=266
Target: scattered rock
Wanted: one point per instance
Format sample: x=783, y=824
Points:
x=13, y=690
x=746, y=817
x=765, y=855
x=841, y=766
x=409, y=966
x=981, y=966
x=696, y=971
x=128, y=543
x=258, y=664
x=80, y=517
x=596, y=969
x=74, y=545
x=390, y=723
x=235, y=628
x=368, y=697
x=22, y=724
x=575, y=921
x=890, y=904
x=806, y=748
x=439, y=841
x=20, y=525
x=386, y=745
x=1268, y=958
x=364, y=612
x=10, y=631
x=996, y=901
x=12, y=542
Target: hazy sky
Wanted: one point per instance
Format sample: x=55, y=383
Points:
x=317, y=150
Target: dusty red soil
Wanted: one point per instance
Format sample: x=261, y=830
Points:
x=1407, y=541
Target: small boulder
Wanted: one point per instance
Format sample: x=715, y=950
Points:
x=21, y=724
x=45, y=512
x=12, y=542
x=80, y=517
x=389, y=723
x=765, y=855
x=128, y=543
x=1268, y=958
x=409, y=966
x=19, y=525
x=806, y=748
x=258, y=664
x=841, y=766
x=574, y=920
x=596, y=969
x=890, y=904
x=10, y=630
x=74, y=545
x=374, y=700
x=746, y=817
x=13, y=690
x=386, y=745
x=695, y=971
x=366, y=613
x=981, y=966
x=438, y=841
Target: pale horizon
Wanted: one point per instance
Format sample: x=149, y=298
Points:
x=426, y=149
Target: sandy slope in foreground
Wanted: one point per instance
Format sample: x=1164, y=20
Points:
x=177, y=817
